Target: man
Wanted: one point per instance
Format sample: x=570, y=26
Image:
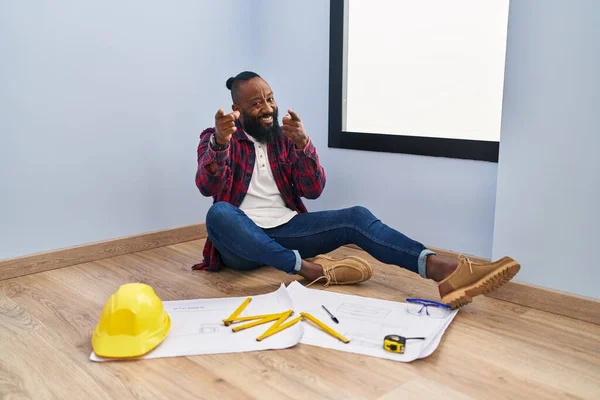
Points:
x=257, y=171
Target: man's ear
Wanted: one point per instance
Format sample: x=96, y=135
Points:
x=235, y=107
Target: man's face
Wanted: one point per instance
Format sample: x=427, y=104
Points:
x=258, y=109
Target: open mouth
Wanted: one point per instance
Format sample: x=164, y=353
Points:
x=266, y=119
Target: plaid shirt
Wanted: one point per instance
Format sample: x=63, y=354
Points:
x=297, y=173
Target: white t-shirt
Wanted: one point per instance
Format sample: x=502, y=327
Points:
x=263, y=203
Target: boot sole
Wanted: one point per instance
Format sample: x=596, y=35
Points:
x=488, y=283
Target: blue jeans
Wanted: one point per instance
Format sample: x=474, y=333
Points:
x=244, y=245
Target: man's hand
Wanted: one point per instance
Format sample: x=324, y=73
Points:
x=293, y=128
x=225, y=126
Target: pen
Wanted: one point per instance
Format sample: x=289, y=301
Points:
x=331, y=315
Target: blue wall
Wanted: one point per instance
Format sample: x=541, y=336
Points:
x=443, y=202
x=548, y=213
x=101, y=107
x=102, y=103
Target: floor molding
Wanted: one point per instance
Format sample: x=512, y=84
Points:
x=541, y=298
x=40, y=262
x=553, y=301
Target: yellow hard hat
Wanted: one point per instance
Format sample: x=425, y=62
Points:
x=133, y=322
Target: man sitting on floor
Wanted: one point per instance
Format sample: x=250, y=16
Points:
x=257, y=171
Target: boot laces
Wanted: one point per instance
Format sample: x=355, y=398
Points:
x=328, y=275
x=463, y=258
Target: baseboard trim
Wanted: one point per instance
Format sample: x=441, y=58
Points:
x=544, y=299
x=553, y=301
x=40, y=262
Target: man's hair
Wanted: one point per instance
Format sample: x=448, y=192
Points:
x=233, y=83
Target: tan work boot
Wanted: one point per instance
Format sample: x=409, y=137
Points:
x=343, y=271
x=472, y=279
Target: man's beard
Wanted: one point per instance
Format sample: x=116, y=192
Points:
x=255, y=128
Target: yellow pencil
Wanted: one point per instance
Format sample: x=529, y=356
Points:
x=237, y=311
x=324, y=327
x=271, y=332
x=256, y=323
x=281, y=319
x=248, y=318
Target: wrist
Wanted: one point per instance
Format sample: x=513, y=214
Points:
x=218, y=144
x=220, y=141
x=302, y=144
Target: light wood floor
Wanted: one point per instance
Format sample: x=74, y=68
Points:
x=493, y=349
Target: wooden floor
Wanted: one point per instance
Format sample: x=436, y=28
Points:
x=493, y=349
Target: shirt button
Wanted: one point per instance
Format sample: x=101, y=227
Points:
x=263, y=165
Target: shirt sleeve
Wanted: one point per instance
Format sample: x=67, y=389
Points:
x=210, y=183
x=307, y=172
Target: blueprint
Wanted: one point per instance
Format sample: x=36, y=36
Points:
x=365, y=322
x=197, y=327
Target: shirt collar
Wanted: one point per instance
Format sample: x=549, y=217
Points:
x=240, y=134
x=249, y=137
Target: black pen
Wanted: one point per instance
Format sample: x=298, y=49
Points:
x=331, y=315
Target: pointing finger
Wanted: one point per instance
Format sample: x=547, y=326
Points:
x=290, y=122
x=230, y=117
x=295, y=116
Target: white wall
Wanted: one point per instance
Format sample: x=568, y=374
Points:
x=443, y=202
x=101, y=107
x=548, y=207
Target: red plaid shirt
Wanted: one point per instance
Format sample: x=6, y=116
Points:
x=297, y=174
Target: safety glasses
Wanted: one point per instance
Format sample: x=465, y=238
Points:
x=427, y=307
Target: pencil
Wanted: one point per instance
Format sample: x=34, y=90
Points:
x=324, y=327
x=237, y=311
x=248, y=318
x=271, y=332
x=256, y=323
x=283, y=317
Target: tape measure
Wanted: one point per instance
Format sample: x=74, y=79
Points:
x=394, y=343
x=397, y=343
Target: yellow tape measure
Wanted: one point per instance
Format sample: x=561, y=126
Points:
x=397, y=343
